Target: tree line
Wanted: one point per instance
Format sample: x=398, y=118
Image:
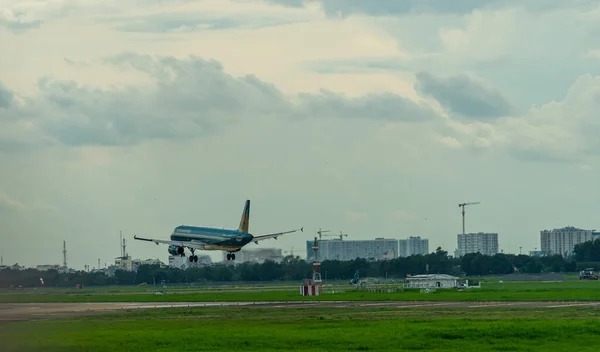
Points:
x=296, y=269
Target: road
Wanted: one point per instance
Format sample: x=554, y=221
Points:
x=12, y=312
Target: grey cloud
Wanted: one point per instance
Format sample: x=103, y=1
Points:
x=401, y=7
x=190, y=22
x=384, y=106
x=358, y=65
x=288, y=3
x=190, y=98
x=19, y=27
x=6, y=96
x=17, y=21
x=461, y=95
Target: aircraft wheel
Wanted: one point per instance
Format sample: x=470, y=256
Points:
x=191, y=258
x=195, y=259
x=228, y=256
x=232, y=256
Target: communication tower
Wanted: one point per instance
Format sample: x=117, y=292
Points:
x=316, y=264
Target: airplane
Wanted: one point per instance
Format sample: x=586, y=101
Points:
x=213, y=239
x=355, y=280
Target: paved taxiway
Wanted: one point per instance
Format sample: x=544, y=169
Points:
x=12, y=312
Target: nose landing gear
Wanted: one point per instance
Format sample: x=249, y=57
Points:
x=230, y=256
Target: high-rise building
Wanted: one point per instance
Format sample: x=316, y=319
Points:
x=413, y=246
x=484, y=243
x=337, y=249
x=562, y=241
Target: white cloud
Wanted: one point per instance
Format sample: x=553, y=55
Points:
x=562, y=131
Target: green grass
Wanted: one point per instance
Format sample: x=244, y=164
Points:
x=508, y=291
x=332, y=329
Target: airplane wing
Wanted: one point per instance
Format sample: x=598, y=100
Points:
x=189, y=244
x=273, y=235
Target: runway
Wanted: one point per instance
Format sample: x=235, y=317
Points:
x=12, y=312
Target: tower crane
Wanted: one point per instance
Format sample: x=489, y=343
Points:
x=462, y=205
x=321, y=232
x=341, y=235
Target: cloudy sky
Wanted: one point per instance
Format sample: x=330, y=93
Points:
x=371, y=117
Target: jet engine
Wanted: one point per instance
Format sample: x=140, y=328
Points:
x=176, y=250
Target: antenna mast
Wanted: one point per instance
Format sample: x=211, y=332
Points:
x=123, y=246
x=64, y=254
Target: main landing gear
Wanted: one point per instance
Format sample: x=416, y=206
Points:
x=230, y=256
x=193, y=257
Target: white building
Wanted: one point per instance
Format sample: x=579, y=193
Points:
x=139, y=262
x=413, y=246
x=432, y=281
x=177, y=261
x=563, y=241
x=124, y=263
x=256, y=255
x=337, y=249
x=484, y=243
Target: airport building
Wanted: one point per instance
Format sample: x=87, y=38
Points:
x=562, y=241
x=413, y=246
x=432, y=281
x=337, y=249
x=484, y=243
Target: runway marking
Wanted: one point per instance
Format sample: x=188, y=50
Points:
x=574, y=304
x=483, y=305
x=428, y=305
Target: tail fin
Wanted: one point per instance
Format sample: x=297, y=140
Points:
x=245, y=218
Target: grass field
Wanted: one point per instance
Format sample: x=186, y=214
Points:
x=253, y=329
x=508, y=291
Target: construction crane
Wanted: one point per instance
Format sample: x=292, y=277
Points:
x=321, y=232
x=341, y=235
x=462, y=205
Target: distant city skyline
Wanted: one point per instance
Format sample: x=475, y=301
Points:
x=590, y=234
x=362, y=116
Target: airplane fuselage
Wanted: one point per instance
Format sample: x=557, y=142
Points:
x=224, y=240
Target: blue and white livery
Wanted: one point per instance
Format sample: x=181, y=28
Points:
x=213, y=239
